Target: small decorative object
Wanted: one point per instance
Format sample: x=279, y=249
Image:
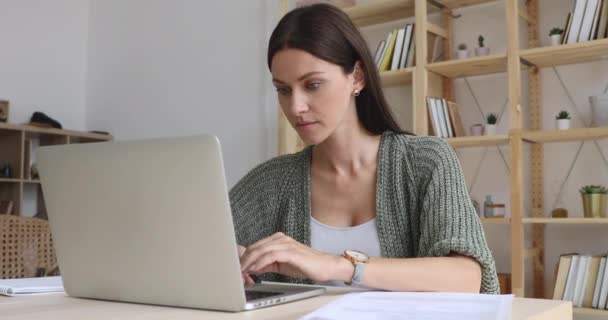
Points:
x=3, y=111
x=462, y=52
x=563, y=120
x=477, y=129
x=498, y=209
x=491, y=124
x=6, y=172
x=482, y=50
x=559, y=213
x=556, y=36
x=6, y=207
x=488, y=211
x=34, y=172
x=594, y=201
x=599, y=110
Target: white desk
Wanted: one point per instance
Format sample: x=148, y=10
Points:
x=60, y=306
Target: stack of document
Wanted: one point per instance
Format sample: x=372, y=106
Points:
x=415, y=305
x=12, y=287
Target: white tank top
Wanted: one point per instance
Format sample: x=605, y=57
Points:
x=335, y=240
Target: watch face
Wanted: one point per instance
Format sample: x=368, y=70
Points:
x=357, y=255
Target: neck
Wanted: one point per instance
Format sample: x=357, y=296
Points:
x=347, y=151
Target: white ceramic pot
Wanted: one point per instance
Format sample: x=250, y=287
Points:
x=556, y=39
x=563, y=124
x=476, y=130
x=482, y=51
x=599, y=110
x=462, y=54
x=490, y=129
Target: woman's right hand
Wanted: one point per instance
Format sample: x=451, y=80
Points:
x=247, y=280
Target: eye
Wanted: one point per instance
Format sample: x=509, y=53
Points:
x=313, y=85
x=283, y=91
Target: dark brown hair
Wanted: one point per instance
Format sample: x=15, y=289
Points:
x=328, y=33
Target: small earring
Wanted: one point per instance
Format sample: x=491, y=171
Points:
x=356, y=93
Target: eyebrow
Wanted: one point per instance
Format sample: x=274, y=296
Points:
x=300, y=78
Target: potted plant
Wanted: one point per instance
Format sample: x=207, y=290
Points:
x=563, y=120
x=462, y=52
x=482, y=50
x=594, y=201
x=556, y=36
x=491, y=124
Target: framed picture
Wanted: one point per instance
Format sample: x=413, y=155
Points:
x=6, y=206
x=3, y=110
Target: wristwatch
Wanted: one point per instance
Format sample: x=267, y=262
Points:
x=359, y=261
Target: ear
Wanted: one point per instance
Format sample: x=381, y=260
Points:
x=359, y=76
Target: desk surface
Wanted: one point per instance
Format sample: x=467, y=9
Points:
x=60, y=306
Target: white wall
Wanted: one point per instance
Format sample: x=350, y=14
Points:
x=43, y=59
x=170, y=68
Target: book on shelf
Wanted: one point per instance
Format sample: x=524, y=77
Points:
x=582, y=279
x=587, y=21
x=397, y=51
x=444, y=119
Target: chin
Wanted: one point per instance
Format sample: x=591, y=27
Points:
x=311, y=138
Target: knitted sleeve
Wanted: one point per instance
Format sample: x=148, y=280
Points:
x=255, y=200
x=448, y=221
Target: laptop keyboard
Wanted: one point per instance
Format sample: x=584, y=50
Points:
x=253, y=295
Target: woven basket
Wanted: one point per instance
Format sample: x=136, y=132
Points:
x=25, y=247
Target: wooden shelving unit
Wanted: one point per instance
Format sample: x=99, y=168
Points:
x=470, y=67
x=549, y=136
x=589, y=312
x=14, y=140
x=397, y=78
x=566, y=54
x=565, y=220
x=435, y=79
x=478, y=141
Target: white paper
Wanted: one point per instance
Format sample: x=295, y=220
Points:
x=414, y=305
x=11, y=287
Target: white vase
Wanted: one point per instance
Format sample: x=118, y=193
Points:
x=482, y=51
x=599, y=110
x=563, y=124
x=556, y=39
x=462, y=54
x=490, y=129
x=476, y=130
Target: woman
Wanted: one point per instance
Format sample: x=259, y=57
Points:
x=362, y=183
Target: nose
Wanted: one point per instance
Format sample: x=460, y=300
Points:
x=298, y=103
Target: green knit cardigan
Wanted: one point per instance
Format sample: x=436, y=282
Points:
x=423, y=208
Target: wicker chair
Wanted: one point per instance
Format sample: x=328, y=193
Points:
x=26, y=247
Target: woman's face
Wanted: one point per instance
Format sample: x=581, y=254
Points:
x=315, y=95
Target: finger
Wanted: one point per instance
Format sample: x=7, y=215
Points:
x=249, y=280
x=241, y=250
x=251, y=256
x=275, y=236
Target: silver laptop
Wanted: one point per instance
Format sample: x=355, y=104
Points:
x=149, y=222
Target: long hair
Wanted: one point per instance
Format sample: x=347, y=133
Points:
x=327, y=33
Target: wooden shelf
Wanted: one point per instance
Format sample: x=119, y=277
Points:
x=34, y=131
x=548, y=136
x=396, y=78
x=10, y=180
x=478, y=141
x=565, y=220
x=381, y=11
x=496, y=220
x=566, y=54
x=31, y=181
x=589, y=311
x=496, y=63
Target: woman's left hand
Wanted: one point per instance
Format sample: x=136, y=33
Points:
x=281, y=254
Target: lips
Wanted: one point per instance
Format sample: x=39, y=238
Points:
x=306, y=124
